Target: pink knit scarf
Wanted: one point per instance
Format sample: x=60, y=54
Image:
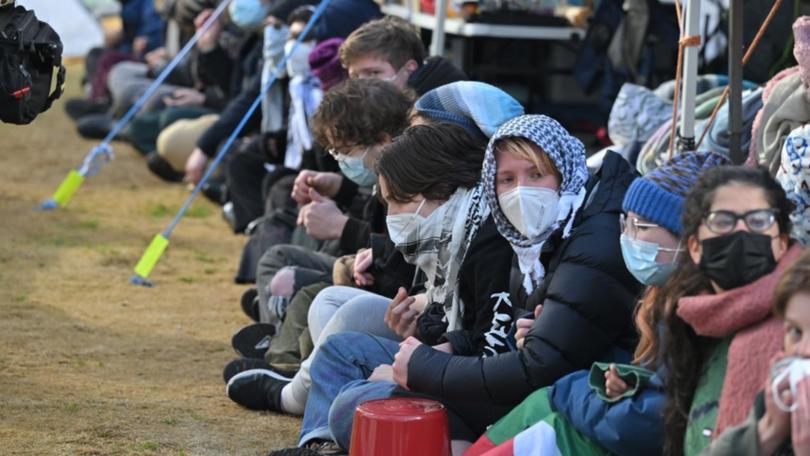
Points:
x=745, y=313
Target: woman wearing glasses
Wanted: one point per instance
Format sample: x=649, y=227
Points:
x=720, y=334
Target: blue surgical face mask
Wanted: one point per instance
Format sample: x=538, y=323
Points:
x=639, y=257
x=247, y=14
x=355, y=169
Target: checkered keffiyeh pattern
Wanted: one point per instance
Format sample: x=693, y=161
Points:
x=568, y=155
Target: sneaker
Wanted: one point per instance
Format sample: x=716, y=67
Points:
x=315, y=447
x=240, y=365
x=250, y=303
x=252, y=341
x=243, y=364
x=257, y=389
x=77, y=108
x=162, y=169
x=94, y=126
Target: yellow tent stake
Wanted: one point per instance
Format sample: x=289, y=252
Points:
x=68, y=187
x=151, y=255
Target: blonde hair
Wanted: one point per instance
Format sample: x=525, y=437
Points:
x=527, y=150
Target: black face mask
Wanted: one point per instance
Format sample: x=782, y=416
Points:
x=737, y=259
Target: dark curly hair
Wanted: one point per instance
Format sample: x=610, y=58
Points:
x=432, y=160
x=361, y=112
x=684, y=350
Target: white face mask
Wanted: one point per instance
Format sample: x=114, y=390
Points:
x=401, y=226
x=531, y=210
x=794, y=370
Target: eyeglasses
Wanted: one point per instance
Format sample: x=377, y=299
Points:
x=723, y=222
x=631, y=226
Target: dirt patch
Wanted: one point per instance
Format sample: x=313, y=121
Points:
x=90, y=364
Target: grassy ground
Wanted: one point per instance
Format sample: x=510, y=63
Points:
x=90, y=364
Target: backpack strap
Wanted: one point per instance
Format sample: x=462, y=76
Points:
x=58, y=90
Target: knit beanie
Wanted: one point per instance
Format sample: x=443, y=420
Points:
x=325, y=63
x=658, y=196
x=480, y=108
x=801, y=47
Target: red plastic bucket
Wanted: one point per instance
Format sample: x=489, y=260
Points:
x=400, y=427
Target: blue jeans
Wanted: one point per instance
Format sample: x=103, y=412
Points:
x=343, y=361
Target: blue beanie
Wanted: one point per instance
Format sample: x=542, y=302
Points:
x=480, y=108
x=658, y=196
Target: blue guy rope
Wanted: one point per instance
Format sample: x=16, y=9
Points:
x=160, y=242
x=103, y=153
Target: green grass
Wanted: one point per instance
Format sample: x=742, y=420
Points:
x=89, y=224
x=160, y=210
x=188, y=279
x=147, y=446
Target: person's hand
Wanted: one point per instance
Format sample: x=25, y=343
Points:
x=399, y=316
x=382, y=373
x=156, y=57
x=362, y=261
x=446, y=347
x=401, y=360
x=327, y=184
x=524, y=325
x=322, y=218
x=800, y=419
x=614, y=385
x=195, y=166
x=139, y=45
x=184, y=96
x=208, y=40
x=774, y=427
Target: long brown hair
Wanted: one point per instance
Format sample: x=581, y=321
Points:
x=684, y=351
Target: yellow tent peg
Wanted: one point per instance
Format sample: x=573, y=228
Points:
x=151, y=256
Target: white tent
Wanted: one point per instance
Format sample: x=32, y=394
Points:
x=77, y=28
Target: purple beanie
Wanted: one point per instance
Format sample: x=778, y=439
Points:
x=325, y=63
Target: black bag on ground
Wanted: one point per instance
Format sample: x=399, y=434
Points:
x=30, y=50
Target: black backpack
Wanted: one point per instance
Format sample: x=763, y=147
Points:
x=29, y=51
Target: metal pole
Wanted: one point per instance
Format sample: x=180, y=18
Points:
x=735, y=70
x=437, y=42
x=686, y=133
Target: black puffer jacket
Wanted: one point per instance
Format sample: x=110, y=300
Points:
x=588, y=298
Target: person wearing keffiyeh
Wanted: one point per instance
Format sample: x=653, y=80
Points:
x=569, y=252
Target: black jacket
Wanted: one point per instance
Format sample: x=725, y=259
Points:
x=434, y=72
x=588, y=301
x=483, y=287
x=238, y=106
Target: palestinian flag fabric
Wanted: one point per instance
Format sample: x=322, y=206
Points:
x=534, y=428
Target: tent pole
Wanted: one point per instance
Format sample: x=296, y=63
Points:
x=686, y=134
x=735, y=71
x=437, y=41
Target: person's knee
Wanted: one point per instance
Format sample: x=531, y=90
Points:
x=337, y=344
x=352, y=395
x=283, y=283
